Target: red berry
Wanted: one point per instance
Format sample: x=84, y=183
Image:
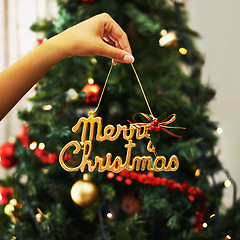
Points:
x=152, y=128
x=155, y=122
x=158, y=128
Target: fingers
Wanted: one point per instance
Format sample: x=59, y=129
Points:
x=115, y=33
x=118, y=55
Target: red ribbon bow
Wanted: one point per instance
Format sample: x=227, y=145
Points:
x=170, y=119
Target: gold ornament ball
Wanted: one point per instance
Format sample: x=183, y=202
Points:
x=84, y=193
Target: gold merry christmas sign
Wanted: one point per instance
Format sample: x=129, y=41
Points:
x=93, y=124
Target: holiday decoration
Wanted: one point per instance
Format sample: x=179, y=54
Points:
x=93, y=92
x=143, y=205
x=110, y=133
x=5, y=194
x=84, y=192
x=7, y=155
x=168, y=39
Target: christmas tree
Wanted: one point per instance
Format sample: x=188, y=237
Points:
x=43, y=201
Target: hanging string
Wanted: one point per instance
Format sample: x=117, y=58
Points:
x=144, y=95
x=139, y=82
x=100, y=99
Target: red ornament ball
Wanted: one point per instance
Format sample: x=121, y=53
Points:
x=7, y=155
x=5, y=194
x=93, y=92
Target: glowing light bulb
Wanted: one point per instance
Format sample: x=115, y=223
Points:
x=9, y=209
x=47, y=107
x=110, y=175
x=219, y=130
x=0, y=196
x=13, y=202
x=41, y=146
x=204, y=225
x=213, y=215
x=33, y=145
x=94, y=60
x=228, y=237
x=197, y=172
x=90, y=80
x=227, y=183
x=183, y=50
x=167, y=39
x=163, y=32
x=86, y=177
x=110, y=215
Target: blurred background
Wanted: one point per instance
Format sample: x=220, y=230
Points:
x=216, y=22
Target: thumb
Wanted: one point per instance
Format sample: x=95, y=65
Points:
x=116, y=54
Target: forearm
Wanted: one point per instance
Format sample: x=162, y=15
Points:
x=21, y=76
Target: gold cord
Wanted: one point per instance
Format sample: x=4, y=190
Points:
x=139, y=82
x=100, y=99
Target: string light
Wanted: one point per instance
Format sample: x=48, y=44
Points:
x=9, y=209
x=110, y=215
x=110, y=175
x=94, y=60
x=204, y=225
x=167, y=39
x=219, y=130
x=72, y=95
x=90, y=80
x=13, y=202
x=163, y=32
x=33, y=145
x=213, y=215
x=41, y=146
x=183, y=50
x=227, y=183
x=197, y=172
x=128, y=181
x=47, y=107
x=228, y=237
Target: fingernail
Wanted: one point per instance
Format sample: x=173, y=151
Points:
x=114, y=62
x=128, y=59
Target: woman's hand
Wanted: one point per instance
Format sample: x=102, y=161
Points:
x=99, y=35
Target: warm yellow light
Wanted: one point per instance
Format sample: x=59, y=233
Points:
x=163, y=32
x=94, y=60
x=110, y=215
x=86, y=177
x=13, y=202
x=228, y=237
x=41, y=146
x=213, y=215
x=204, y=225
x=197, y=173
x=47, y=107
x=33, y=145
x=38, y=217
x=227, y=183
x=167, y=39
x=90, y=80
x=219, y=130
x=183, y=51
x=9, y=209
